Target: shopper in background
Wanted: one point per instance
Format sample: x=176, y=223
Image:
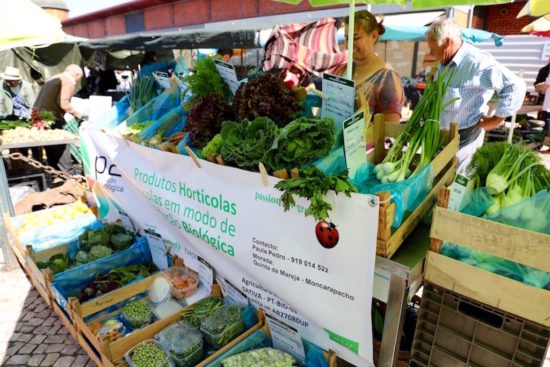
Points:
x=542, y=83
x=477, y=75
x=55, y=97
x=380, y=86
x=16, y=97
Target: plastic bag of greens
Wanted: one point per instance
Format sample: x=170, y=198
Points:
x=476, y=202
x=333, y=163
x=409, y=193
x=531, y=213
x=497, y=265
x=257, y=339
x=171, y=122
x=202, y=309
x=183, y=342
x=156, y=108
x=223, y=326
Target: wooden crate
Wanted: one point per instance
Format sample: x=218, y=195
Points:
x=114, y=351
x=444, y=165
x=511, y=243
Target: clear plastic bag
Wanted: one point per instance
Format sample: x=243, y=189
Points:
x=223, y=326
x=170, y=123
x=497, y=265
x=476, y=202
x=156, y=108
x=532, y=214
x=116, y=114
x=407, y=194
x=183, y=342
x=71, y=282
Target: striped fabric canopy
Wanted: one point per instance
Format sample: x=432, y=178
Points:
x=304, y=48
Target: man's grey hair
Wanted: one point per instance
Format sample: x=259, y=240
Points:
x=444, y=28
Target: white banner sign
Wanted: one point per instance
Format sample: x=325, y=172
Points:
x=282, y=261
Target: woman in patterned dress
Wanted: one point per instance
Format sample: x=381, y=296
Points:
x=380, y=86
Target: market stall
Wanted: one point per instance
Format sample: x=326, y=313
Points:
x=244, y=220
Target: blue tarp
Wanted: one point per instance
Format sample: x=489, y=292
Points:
x=411, y=33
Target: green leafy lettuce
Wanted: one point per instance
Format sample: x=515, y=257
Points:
x=299, y=142
x=206, y=80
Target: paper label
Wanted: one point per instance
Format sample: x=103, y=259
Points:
x=227, y=72
x=234, y=296
x=458, y=191
x=126, y=221
x=286, y=338
x=206, y=273
x=354, y=143
x=157, y=247
x=340, y=101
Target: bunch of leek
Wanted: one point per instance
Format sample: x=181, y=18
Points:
x=421, y=132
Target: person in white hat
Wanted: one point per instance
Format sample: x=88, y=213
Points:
x=17, y=95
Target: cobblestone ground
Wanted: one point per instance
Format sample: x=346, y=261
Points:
x=31, y=334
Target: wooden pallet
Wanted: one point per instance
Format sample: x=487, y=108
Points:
x=511, y=243
x=444, y=164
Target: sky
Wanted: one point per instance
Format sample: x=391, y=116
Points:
x=79, y=7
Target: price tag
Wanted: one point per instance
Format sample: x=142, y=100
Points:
x=206, y=273
x=158, y=249
x=286, y=338
x=227, y=72
x=126, y=221
x=354, y=144
x=233, y=295
x=458, y=191
x=340, y=101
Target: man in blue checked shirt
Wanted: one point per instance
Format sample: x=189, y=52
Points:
x=477, y=76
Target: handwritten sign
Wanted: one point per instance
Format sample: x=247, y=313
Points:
x=339, y=104
x=354, y=143
x=227, y=72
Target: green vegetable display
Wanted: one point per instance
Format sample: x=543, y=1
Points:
x=299, y=142
x=202, y=309
x=149, y=354
x=213, y=148
x=260, y=357
x=114, y=279
x=511, y=173
x=420, y=132
x=245, y=144
x=268, y=96
x=137, y=314
x=314, y=185
x=205, y=119
x=183, y=342
x=12, y=124
x=56, y=263
x=224, y=325
x=204, y=81
x=142, y=91
x=95, y=244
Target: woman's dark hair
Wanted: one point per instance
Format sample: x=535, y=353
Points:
x=368, y=22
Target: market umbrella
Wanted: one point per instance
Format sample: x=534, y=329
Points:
x=535, y=8
x=23, y=23
x=417, y=4
x=540, y=25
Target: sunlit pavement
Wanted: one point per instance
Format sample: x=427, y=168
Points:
x=31, y=334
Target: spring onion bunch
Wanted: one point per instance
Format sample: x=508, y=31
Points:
x=420, y=132
x=142, y=91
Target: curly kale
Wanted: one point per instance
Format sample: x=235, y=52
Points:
x=245, y=144
x=267, y=96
